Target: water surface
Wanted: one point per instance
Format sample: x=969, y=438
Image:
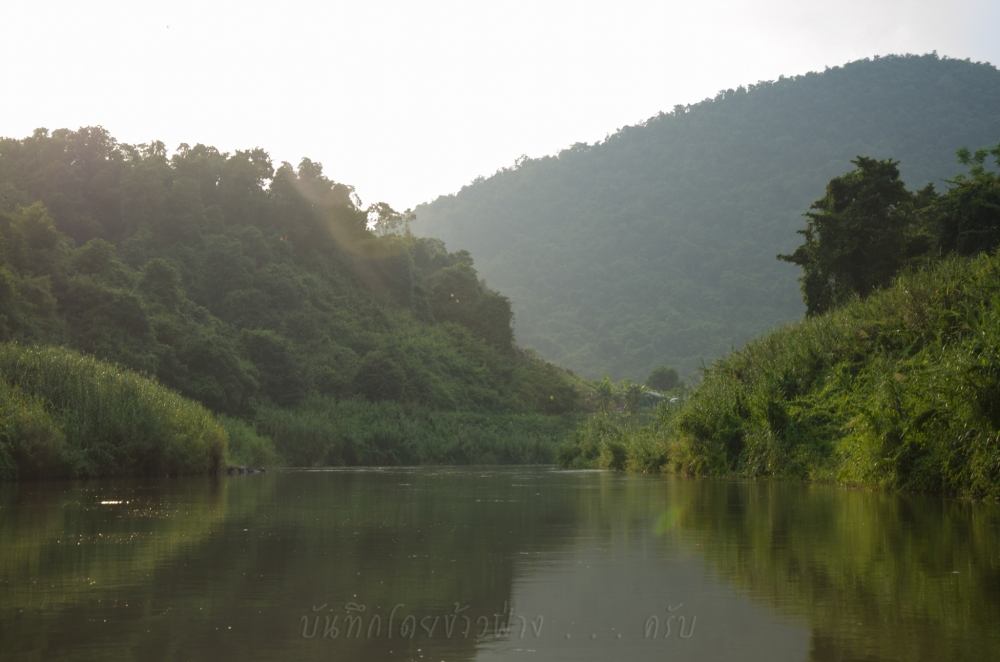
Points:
x=492, y=564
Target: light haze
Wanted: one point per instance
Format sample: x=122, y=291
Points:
x=410, y=100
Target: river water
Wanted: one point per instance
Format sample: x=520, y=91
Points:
x=492, y=564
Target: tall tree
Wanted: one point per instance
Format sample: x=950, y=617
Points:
x=663, y=378
x=856, y=236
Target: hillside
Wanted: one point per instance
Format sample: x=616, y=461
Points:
x=270, y=295
x=657, y=246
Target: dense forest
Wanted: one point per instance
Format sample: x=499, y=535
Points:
x=656, y=246
x=894, y=378
x=271, y=296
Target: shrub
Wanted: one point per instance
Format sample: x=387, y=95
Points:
x=246, y=446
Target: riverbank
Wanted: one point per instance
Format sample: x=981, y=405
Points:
x=900, y=391
x=68, y=415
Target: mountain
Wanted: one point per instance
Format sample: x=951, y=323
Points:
x=657, y=245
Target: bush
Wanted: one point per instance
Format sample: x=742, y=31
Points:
x=246, y=446
x=663, y=379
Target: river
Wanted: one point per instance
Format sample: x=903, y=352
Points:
x=489, y=564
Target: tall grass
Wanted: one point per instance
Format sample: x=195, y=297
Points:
x=900, y=390
x=31, y=442
x=66, y=414
x=325, y=431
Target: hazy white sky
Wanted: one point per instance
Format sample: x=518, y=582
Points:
x=407, y=100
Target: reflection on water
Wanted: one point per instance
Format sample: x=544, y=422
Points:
x=876, y=576
x=492, y=564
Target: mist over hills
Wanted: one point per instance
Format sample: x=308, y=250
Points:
x=657, y=245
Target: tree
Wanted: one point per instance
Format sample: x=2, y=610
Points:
x=380, y=377
x=383, y=220
x=663, y=379
x=856, y=236
x=633, y=396
x=281, y=375
x=605, y=395
x=161, y=282
x=969, y=213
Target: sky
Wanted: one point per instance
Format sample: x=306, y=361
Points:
x=408, y=100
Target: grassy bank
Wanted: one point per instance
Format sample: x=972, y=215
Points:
x=900, y=390
x=63, y=414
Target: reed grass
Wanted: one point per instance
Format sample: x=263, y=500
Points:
x=325, y=431
x=71, y=415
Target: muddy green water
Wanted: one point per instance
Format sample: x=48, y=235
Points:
x=492, y=564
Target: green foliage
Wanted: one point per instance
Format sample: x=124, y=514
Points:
x=856, y=235
x=66, y=415
x=604, y=395
x=656, y=246
x=898, y=390
x=615, y=441
x=868, y=227
x=633, y=397
x=31, y=443
x=322, y=431
x=250, y=288
x=161, y=283
x=379, y=377
x=280, y=372
x=247, y=447
x=969, y=215
x=663, y=378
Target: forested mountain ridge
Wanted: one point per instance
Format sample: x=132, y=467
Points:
x=267, y=294
x=657, y=245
